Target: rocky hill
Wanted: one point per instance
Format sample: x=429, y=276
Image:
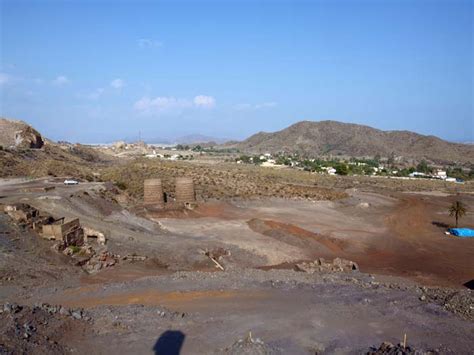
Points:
x=18, y=134
x=337, y=138
x=25, y=152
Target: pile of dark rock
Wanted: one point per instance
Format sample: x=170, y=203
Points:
x=460, y=302
x=387, y=348
x=38, y=329
x=321, y=265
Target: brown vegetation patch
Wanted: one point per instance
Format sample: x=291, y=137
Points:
x=215, y=182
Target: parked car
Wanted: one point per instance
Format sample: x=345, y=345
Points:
x=71, y=182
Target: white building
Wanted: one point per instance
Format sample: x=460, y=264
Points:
x=331, y=171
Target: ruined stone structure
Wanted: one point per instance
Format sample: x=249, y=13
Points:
x=70, y=232
x=185, y=190
x=153, y=193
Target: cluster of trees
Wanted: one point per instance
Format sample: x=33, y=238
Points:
x=459, y=173
x=357, y=166
x=247, y=159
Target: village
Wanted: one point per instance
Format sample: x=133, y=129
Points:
x=384, y=167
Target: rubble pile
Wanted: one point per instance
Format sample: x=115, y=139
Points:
x=90, y=259
x=321, y=265
x=387, y=348
x=250, y=346
x=100, y=261
x=41, y=328
x=460, y=302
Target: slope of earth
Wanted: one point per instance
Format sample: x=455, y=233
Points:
x=146, y=306
x=215, y=181
x=18, y=134
x=331, y=137
x=53, y=160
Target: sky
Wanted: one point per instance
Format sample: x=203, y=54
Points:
x=99, y=71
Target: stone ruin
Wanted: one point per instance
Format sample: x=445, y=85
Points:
x=28, y=216
x=321, y=265
x=71, y=237
x=68, y=232
x=154, y=198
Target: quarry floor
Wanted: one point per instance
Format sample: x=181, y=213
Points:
x=395, y=238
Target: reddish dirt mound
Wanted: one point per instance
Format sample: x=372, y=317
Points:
x=416, y=248
x=297, y=236
x=221, y=210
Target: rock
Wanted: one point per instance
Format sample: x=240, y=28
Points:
x=119, y=145
x=250, y=346
x=337, y=265
x=12, y=308
x=18, y=134
x=77, y=314
x=64, y=311
x=389, y=348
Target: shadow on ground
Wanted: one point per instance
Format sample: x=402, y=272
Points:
x=169, y=343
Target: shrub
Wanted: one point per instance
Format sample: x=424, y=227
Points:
x=121, y=185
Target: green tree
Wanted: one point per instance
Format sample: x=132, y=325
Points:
x=457, y=210
x=245, y=158
x=391, y=160
x=341, y=169
x=423, y=167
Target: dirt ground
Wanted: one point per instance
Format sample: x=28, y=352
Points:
x=174, y=297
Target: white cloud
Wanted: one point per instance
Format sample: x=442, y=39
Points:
x=149, y=43
x=4, y=78
x=204, y=101
x=161, y=104
x=169, y=104
x=91, y=95
x=259, y=106
x=265, y=105
x=94, y=95
x=117, y=83
x=60, y=80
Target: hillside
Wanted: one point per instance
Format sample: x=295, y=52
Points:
x=18, y=134
x=25, y=152
x=337, y=138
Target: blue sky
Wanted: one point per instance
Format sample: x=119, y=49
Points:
x=96, y=71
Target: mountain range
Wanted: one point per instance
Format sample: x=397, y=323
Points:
x=336, y=138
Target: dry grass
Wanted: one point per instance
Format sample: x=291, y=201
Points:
x=216, y=181
x=78, y=161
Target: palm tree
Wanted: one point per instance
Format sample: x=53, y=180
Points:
x=457, y=210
